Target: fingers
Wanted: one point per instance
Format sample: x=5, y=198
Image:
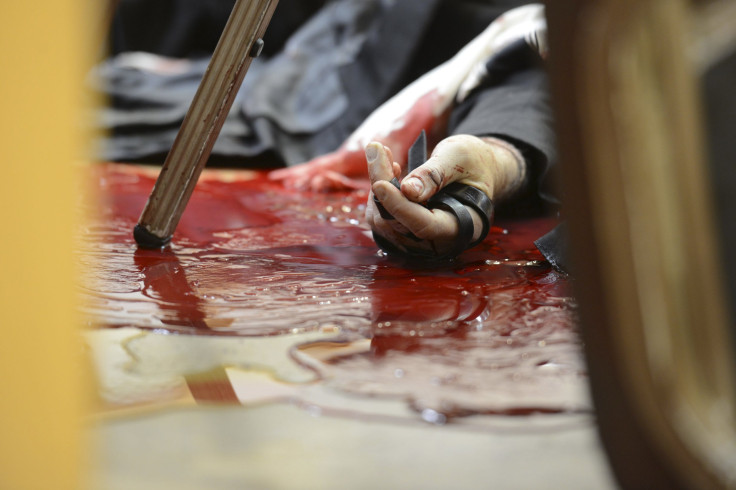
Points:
x=380, y=162
x=381, y=168
x=301, y=176
x=404, y=220
x=413, y=226
x=424, y=223
x=458, y=158
x=339, y=170
x=331, y=181
x=445, y=165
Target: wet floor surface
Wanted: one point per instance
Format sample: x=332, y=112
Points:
x=273, y=298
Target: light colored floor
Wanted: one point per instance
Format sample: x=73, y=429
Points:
x=282, y=446
x=278, y=427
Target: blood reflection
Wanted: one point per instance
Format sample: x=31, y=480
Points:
x=165, y=280
x=456, y=344
x=492, y=332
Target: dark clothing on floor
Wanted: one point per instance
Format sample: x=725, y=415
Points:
x=307, y=94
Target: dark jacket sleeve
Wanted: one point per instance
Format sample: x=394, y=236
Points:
x=512, y=103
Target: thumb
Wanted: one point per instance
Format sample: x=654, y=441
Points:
x=443, y=167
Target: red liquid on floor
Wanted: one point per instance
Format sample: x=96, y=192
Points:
x=251, y=258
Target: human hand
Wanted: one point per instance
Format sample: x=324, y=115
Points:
x=492, y=166
x=340, y=170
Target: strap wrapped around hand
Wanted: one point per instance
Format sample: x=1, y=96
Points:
x=452, y=198
x=381, y=210
x=472, y=197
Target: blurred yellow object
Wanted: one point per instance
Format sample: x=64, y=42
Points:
x=43, y=57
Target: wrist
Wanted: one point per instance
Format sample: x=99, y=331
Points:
x=510, y=169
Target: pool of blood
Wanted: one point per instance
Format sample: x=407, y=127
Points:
x=252, y=258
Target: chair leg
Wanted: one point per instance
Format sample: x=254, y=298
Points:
x=239, y=43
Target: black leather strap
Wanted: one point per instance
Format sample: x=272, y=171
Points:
x=381, y=210
x=476, y=199
x=417, y=155
x=464, y=221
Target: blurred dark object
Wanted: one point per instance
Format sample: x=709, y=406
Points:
x=191, y=28
x=719, y=95
x=644, y=231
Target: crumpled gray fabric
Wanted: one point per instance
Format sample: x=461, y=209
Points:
x=295, y=93
x=148, y=97
x=300, y=90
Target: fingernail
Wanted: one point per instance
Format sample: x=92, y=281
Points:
x=371, y=153
x=379, y=192
x=416, y=184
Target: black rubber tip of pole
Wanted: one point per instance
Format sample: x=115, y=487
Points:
x=146, y=239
